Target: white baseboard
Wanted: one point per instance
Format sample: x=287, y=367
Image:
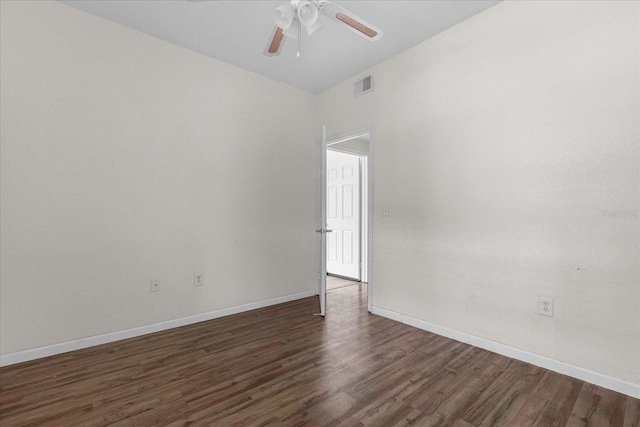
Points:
x=50, y=350
x=602, y=380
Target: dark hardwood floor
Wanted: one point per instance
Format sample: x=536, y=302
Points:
x=284, y=366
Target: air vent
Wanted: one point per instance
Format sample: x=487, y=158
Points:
x=363, y=86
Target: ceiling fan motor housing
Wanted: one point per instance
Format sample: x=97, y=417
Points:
x=307, y=12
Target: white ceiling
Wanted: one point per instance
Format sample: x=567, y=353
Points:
x=237, y=32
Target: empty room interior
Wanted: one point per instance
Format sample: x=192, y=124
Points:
x=163, y=212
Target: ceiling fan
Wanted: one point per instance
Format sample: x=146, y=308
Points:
x=292, y=17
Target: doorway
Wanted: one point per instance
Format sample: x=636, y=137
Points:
x=355, y=152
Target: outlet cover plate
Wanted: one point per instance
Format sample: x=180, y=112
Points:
x=545, y=306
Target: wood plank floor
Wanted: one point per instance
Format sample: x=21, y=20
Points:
x=284, y=366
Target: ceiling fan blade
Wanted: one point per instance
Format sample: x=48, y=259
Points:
x=276, y=41
x=352, y=21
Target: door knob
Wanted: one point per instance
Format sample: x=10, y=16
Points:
x=323, y=231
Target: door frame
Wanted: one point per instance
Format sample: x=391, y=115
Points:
x=367, y=171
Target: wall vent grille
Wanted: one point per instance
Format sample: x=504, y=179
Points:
x=363, y=86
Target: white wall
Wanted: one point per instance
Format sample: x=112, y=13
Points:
x=125, y=158
x=507, y=149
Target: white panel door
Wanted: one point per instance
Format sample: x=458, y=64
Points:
x=343, y=214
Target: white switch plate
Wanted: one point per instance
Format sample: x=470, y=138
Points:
x=155, y=285
x=385, y=210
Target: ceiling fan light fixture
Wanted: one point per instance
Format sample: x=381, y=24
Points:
x=283, y=15
x=307, y=13
x=310, y=29
x=292, y=16
x=293, y=30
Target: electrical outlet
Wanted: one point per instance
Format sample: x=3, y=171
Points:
x=155, y=285
x=198, y=279
x=545, y=306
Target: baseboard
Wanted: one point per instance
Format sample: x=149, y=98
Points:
x=605, y=381
x=51, y=350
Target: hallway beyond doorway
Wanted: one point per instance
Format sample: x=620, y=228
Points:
x=335, y=282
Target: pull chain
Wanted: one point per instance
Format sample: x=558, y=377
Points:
x=299, y=40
